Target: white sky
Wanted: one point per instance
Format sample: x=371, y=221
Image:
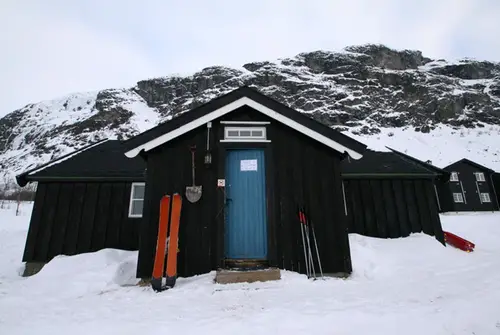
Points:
x=50, y=48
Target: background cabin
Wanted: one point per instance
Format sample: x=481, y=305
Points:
x=471, y=188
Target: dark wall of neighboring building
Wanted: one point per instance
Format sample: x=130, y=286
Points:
x=496, y=184
x=443, y=198
x=71, y=218
x=470, y=188
x=299, y=171
x=392, y=207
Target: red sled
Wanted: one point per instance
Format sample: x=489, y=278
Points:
x=458, y=242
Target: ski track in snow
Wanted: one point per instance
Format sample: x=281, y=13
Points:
x=412, y=286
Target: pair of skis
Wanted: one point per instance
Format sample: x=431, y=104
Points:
x=305, y=227
x=163, y=243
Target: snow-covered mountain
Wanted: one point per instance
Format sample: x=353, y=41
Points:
x=432, y=109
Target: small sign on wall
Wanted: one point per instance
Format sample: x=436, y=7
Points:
x=248, y=165
x=221, y=182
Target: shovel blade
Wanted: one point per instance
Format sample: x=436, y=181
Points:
x=193, y=193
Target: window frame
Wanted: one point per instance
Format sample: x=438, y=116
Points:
x=454, y=173
x=460, y=197
x=228, y=138
x=476, y=174
x=132, y=199
x=483, y=200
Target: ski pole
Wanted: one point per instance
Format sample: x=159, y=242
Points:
x=317, y=251
x=303, y=242
x=309, y=247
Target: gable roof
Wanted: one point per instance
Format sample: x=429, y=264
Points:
x=103, y=160
x=444, y=175
x=231, y=101
x=380, y=163
x=469, y=162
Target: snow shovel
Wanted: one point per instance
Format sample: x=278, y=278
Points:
x=193, y=193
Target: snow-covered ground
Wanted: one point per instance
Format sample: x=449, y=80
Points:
x=402, y=286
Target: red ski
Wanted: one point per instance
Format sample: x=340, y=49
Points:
x=156, y=280
x=171, y=272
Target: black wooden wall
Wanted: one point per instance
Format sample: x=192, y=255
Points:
x=73, y=218
x=496, y=184
x=467, y=182
x=444, y=198
x=300, y=171
x=392, y=208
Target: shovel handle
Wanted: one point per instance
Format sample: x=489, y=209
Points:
x=193, y=148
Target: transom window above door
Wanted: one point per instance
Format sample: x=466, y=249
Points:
x=245, y=134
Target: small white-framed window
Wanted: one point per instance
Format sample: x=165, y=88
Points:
x=485, y=197
x=458, y=197
x=245, y=134
x=479, y=176
x=136, y=200
x=454, y=176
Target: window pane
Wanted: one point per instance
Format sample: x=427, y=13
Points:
x=138, y=192
x=485, y=197
x=232, y=133
x=257, y=133
x=137, y=207
x=457, y=197
x=245, y=133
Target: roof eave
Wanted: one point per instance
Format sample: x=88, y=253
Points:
x=22, y=178
x=242, y=101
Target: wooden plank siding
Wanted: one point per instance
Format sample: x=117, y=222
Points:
x=71, y=218
x=299, y=172
x=496, y=184
x=392, y=208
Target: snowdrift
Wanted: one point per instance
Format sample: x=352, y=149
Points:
x=412, y=285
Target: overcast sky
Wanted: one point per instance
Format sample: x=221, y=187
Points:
x=50, y=48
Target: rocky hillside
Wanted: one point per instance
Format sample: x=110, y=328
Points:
x=369, y=91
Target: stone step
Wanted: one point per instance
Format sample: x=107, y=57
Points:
x=224, y=276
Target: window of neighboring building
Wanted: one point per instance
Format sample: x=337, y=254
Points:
x=479, y=176
x=485, y=197
x=454, y=176
x=458, y=197
x=136, y=200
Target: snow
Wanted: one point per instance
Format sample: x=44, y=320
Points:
x=144, y=117
x=409, y=285
x=443, y=145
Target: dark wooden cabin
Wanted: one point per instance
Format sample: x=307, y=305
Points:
x=389, y=196
x=84, y=203
x=441, y=180
x=471, y=188
x=271, y=159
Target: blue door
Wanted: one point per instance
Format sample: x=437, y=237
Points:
x=246, y=221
